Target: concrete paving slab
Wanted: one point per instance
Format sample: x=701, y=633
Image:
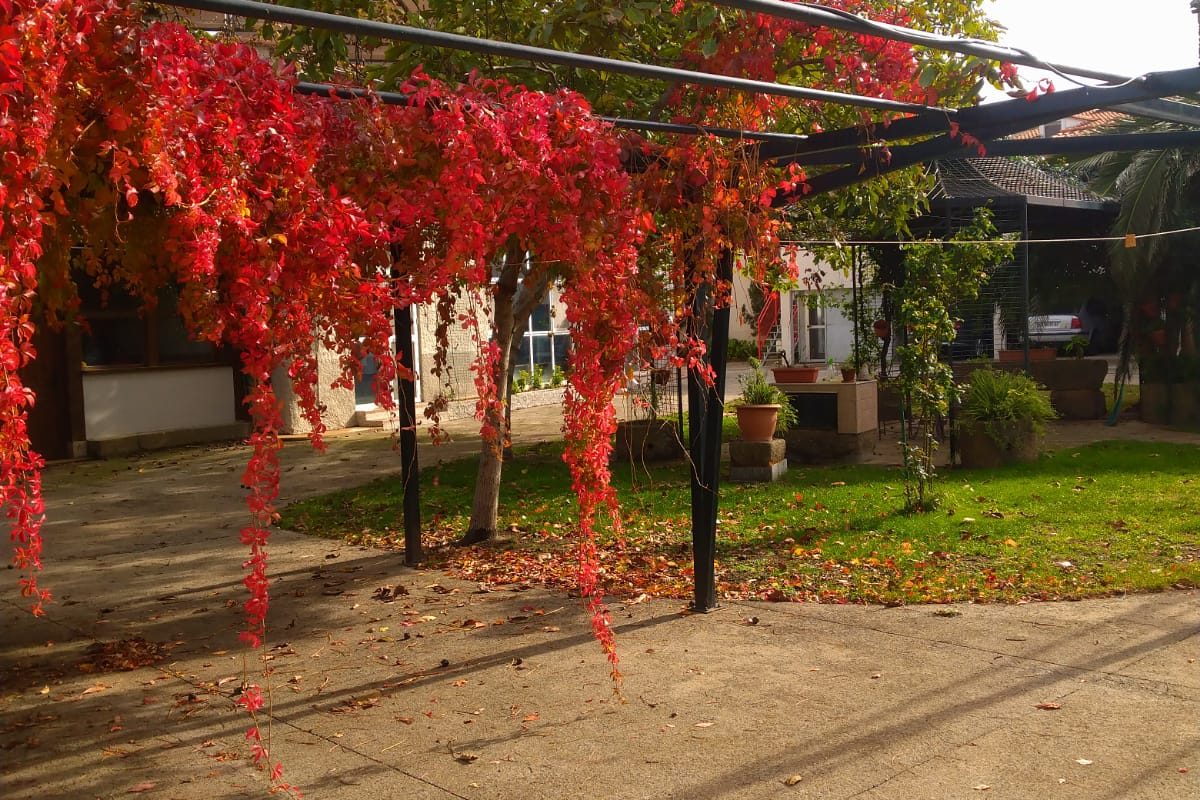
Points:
x=450, y=692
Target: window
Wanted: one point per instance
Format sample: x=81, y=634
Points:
x=816, y=330
x=120, y=332
x=545, y=341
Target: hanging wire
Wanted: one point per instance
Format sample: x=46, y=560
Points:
x=1069, y=240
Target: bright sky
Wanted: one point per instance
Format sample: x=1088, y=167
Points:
x=1119, y=36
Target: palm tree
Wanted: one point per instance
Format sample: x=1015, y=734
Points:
x=1159, y=192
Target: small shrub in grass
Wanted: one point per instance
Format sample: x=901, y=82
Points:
x=1002, y=402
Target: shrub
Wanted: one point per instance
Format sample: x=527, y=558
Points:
x=742, y=350
x=995, y=399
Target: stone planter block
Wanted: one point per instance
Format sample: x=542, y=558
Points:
x=768, y=474
x=757, y=454
x=1171, y=404
x=647, y=440
x=1070, y=374
x=978, y=449
x=1079, y=403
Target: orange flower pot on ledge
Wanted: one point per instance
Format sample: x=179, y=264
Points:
x=1035, y=354
x=796, y=374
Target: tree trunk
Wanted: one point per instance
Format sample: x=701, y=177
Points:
x=514, y=302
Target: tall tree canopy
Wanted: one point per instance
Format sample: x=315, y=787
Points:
x=706, y=196
x=1159, y=190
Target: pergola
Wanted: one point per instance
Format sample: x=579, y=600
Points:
x=846, y=156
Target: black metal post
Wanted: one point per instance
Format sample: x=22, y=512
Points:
x=1025, y=274
x=951, y=425
x=705, y=410
x=854, y=256
x=679, y=403
x=410, y=471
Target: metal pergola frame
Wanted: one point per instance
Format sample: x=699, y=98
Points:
x=853, y=155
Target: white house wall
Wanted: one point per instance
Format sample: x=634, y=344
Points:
x=338, y=402
x=119, y=404
x=741, y=322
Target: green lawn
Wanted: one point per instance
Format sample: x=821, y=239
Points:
x=1096, y=520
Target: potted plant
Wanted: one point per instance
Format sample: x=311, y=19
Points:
x=794, y=374
x=1077, y=347
x=763, y=408
x=1002, y=419
x=849, y=369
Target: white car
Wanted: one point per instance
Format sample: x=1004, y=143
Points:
x=1057, y=329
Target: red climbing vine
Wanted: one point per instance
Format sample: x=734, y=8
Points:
x=286, y=222
x=137, y=156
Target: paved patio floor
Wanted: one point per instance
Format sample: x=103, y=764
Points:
x=454, y=692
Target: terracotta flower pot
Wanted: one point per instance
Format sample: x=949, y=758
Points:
x=796, y=374
x=1035, y=354
x=849, y=374
x=757, y=423
x=882, y=328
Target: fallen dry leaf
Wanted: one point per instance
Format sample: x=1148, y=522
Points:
x=705, y=724
x=1082, y=761
x=1048, y=706
x=94, y=688
x=465, y=758
x=981, y=787
x=792, y=780
x=144, y=786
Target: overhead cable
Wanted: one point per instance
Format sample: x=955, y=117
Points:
x=454, y=41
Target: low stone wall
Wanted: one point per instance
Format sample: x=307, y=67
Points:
x=648, y=440
x=808, y=446
x=1175, y=404
x=1074, y=383
x=462, y=409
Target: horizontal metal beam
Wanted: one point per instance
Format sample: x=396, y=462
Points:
x=453, y=41
x=997, y=120
x=1083, y=145
x=1072, y=145
x=1165, y=110
x=1001, y=121
x=844, y=20
x=397, y=98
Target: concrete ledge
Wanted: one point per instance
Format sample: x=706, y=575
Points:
x=828, y=447
x=376, y=418
x=160, y=440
